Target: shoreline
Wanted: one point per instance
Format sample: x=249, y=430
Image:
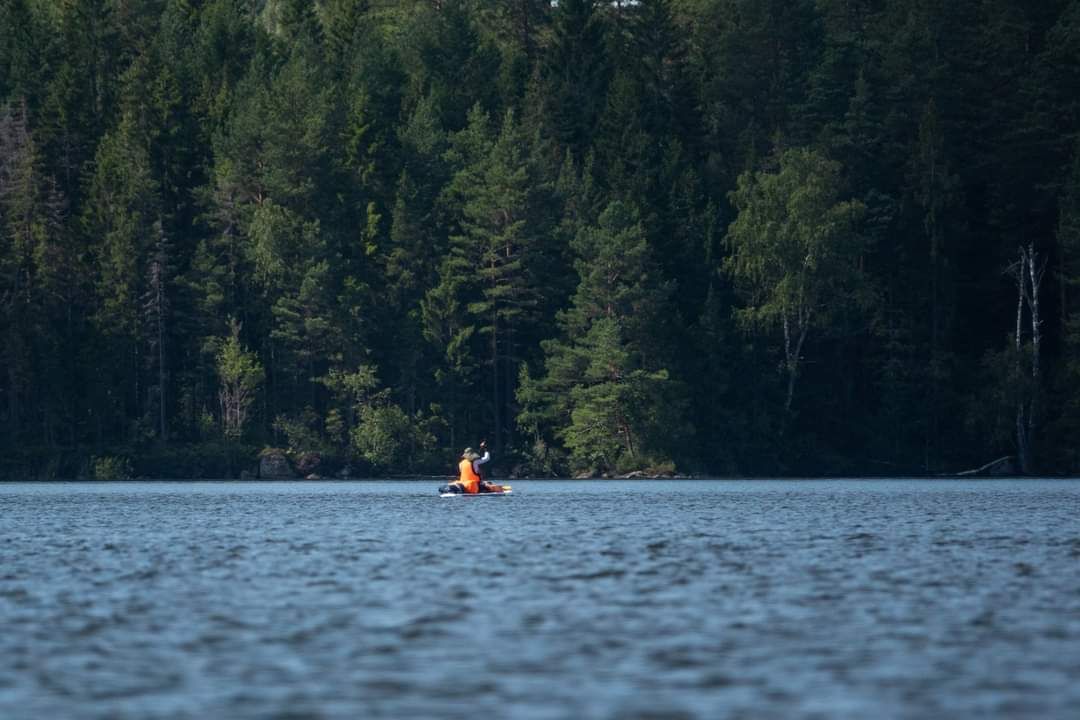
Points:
x=507, y=479
x=243, y=462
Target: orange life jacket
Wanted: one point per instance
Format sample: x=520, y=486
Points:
x=469, y=479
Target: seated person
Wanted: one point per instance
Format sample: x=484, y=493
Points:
x=470, y=479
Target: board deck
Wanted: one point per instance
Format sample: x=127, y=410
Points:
x=474, y=495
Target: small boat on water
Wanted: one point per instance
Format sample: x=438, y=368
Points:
x=506, y=490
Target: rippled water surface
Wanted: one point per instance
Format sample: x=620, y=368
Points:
x=689, y=599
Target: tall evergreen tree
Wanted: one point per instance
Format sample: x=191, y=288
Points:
x=124, y=203
x=499, y=248
x=576, y=72
x=34, y=259
x=606, y=392
x=22, y=45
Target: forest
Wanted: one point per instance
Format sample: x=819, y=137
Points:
x=711, y=237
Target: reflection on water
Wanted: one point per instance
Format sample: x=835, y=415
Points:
x=566, y=600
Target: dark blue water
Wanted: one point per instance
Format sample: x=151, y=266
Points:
x=762, y=599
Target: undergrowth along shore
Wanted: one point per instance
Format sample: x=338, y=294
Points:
x=224, y=461
x=217, y=461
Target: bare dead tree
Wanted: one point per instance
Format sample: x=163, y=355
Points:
x=1028, y=272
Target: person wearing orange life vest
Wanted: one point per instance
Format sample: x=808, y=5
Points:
x=470, y=478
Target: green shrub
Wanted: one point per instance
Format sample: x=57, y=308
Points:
x=110, y=467
x=389, y=439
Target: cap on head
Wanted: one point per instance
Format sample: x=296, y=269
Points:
x=467, y=452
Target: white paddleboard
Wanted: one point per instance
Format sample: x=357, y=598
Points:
x=476, y=495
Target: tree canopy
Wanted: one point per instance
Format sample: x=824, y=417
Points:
x=706, y=236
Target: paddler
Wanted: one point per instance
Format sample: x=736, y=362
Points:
x=470, y=476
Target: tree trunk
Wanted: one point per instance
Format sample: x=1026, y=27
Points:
x=624, y=428
x=13, y=403
x=934, y=175
x=1035, y=272
x=161, y=380
x=792, y=356
x=1021, y=423
x=496, y=409
x=509, y=376
x=1029, y=277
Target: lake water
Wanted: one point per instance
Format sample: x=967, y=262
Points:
x=682, y=599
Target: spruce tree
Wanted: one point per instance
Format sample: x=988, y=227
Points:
x=38, y=284
x=123, y=205
x=499, y=249
x=576, y=73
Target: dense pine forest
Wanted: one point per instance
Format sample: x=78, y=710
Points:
x=695, y=236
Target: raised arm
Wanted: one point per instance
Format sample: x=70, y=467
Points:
x=481, y=460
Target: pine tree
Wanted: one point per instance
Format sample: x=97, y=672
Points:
x=1067, y=395
x=123, y=204
x=157, y=307
x=22, y=41
x=498, y=246
x=934, y=193
x=408, y=270
x=33, y=261
x=576, y=73
x=451, y=60
x=607, y=393
x=80, y=97
x=451, y=330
